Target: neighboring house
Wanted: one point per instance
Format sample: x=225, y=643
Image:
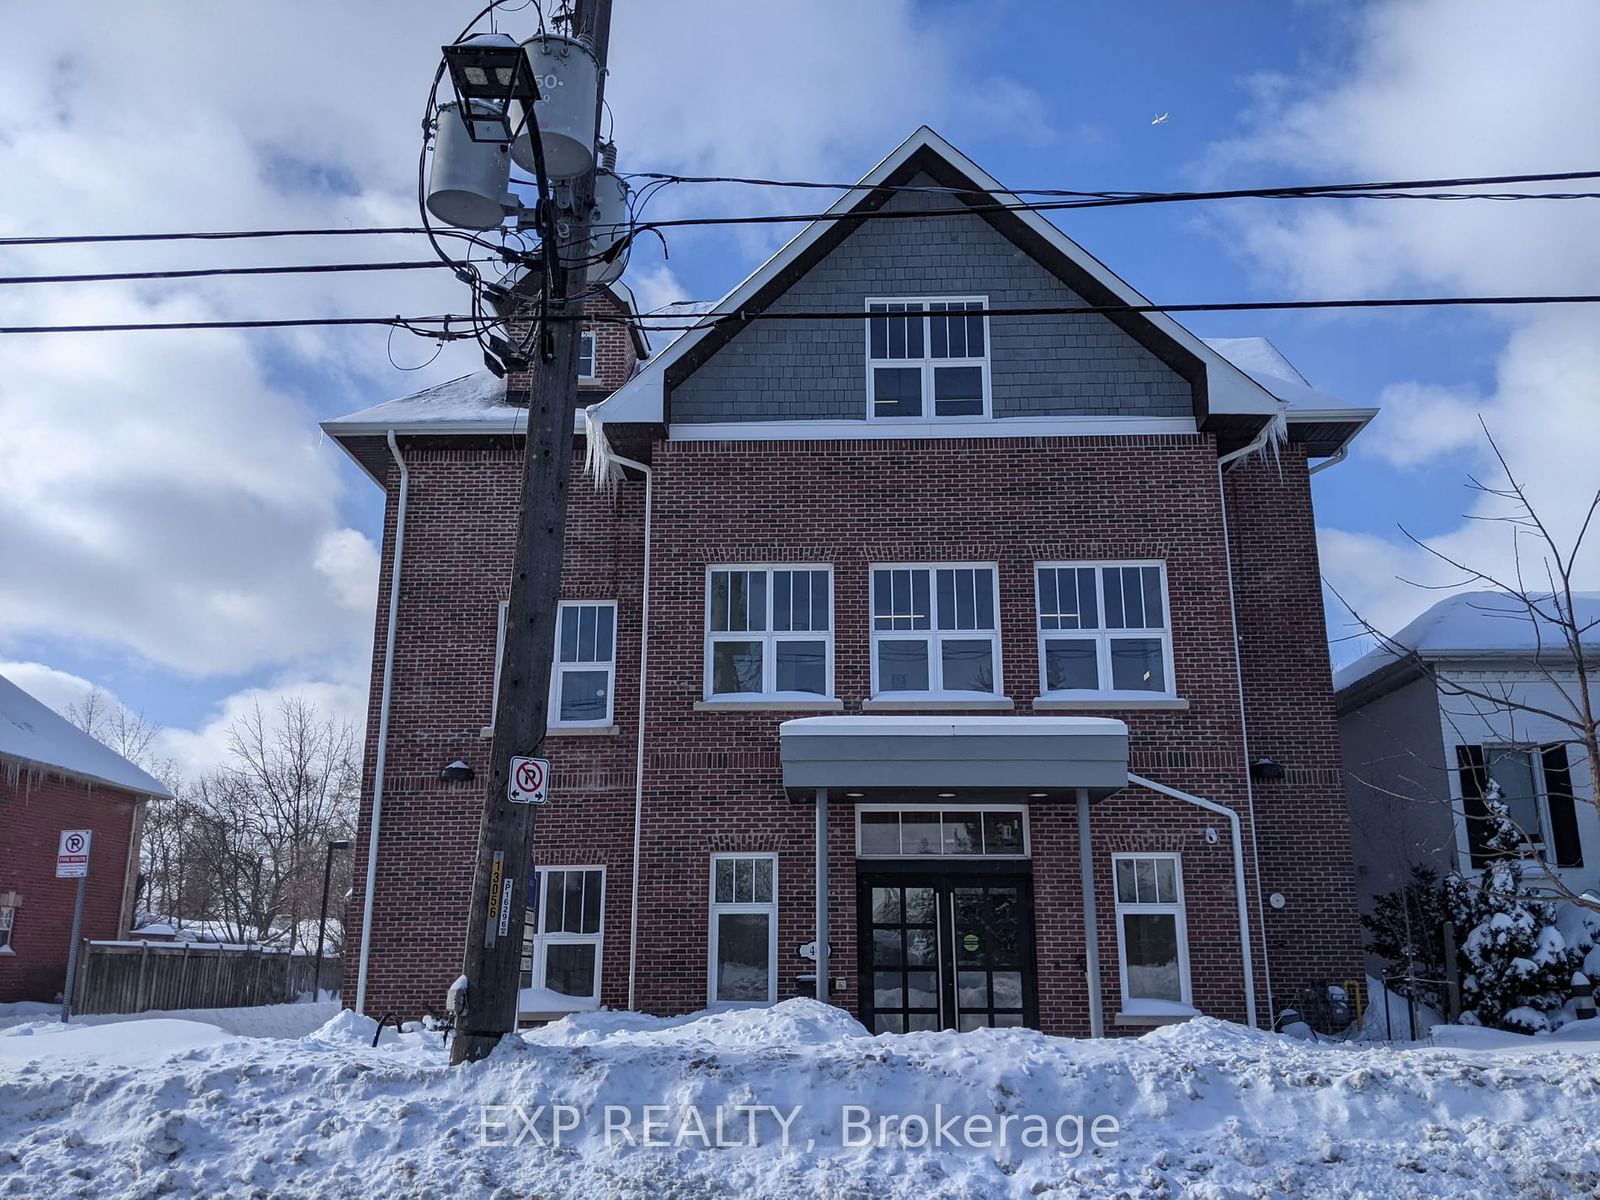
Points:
x=1418, y=754
x=55, y=777
x=966, y=584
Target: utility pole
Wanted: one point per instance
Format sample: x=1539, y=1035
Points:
x=493, y=960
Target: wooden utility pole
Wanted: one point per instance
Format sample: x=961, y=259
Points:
x=493, y=959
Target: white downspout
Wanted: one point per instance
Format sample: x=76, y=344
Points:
x=1256, y=444
x=383, y=724
x=638, y=766
x=1333, y=460
x=1239, y=881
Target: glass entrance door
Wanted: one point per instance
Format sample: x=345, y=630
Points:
x=947, y=951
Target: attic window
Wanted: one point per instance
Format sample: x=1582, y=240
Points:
x=924, y=362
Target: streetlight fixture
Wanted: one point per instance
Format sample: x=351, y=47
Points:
x=322, y=922
x=490, y=72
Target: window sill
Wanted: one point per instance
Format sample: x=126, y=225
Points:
x=944, y=703
x=771, y=704
x=6, y=950
x=487, y=731
x=1152, y=1020
x=1102, y=701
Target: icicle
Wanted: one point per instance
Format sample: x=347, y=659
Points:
x=600, y=461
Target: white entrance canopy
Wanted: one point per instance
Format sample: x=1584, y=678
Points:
x=1060, y=755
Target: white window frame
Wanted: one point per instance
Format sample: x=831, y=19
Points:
x=589, y=341
x=769, y=638
x=1177, y=910
x=954, y=806
x=927, y=362
x=1541, y=797
x=717, y=909
x=542, y=941
x=933, y=634
x=1102, y=636
x=558, y=669
x=8, y=926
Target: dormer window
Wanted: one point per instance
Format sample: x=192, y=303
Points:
x=927, y=358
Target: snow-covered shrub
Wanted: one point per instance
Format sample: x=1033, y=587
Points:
x=1516, y=966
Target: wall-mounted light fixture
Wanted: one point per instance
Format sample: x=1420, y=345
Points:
x=1265, y=770
x=457, y=772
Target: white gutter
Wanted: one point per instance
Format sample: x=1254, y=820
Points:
x=638, y=766
x=1238, y=875
x=383, y=723
x=1260, y=440
x=1333, y=460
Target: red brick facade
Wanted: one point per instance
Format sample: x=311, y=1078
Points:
x=34, y=809
x=711, y=778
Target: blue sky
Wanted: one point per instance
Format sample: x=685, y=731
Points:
x=180, y=535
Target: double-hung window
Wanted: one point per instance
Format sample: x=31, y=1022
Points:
x=744, y=929
x=927, y=358
x=585, y=666
x=8, y=919
x=935, y=630
x=1152, y=941
x=584, y=669
x=586, y=356
x=769, y=632
x=561, y=949
x=1103, y=627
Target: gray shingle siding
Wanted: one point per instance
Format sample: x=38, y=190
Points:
x=1039, y=366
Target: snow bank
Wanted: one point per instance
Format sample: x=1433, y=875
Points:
x=797, y=1101
x=262, y=1020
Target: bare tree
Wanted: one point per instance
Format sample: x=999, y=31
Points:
x=1539, y=591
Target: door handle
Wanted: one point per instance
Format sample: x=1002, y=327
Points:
x=938, y=958
x=955, y=965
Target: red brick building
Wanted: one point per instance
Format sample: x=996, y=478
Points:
x=915, y=600
x=55, y=777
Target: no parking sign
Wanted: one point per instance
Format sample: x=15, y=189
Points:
x=529, y=782
x=72, y=854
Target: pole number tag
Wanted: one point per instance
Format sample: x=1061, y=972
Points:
x=530, y=781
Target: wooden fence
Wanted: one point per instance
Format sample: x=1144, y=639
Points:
x=125, y=977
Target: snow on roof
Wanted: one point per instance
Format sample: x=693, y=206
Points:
x=469, y=399
x=1258, y=358
x=35, y=735
x=1474, y=624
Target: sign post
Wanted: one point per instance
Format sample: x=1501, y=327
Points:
x=72, y=862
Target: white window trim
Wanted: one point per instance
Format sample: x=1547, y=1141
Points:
x=1102, y=636
x=8, y=928
x=953, y=806
x=934, y=634
x=551, y=710
x=542, y=942
x=927, y=362
x=769, y=638
x=558, y=669
x=1179, y=910
x=1541, y=800
x=716, y=909
x=592, y=338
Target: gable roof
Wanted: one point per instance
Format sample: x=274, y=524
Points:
x=1221, y=388
x=34, y=735
x=1468, y=625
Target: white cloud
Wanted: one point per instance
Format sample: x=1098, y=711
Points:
x=1452, y=88
x=55, y=689
x=167, y=495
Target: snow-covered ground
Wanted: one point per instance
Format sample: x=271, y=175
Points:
x=809, y=1105
x=262, y=1020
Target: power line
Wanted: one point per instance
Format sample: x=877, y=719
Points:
x=713, y=320
x=232, y=235
x=1154, y=197
x=1075, y=199
x=410, y=324
x=206, y=272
